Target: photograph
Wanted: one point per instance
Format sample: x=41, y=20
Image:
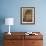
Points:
x=27, y=15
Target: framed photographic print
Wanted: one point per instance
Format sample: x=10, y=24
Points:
x=27, y=15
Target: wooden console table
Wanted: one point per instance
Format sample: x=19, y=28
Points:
x=20, y=39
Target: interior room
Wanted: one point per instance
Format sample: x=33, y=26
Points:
x=34, y=21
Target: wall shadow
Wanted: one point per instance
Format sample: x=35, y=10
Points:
x=2, y=21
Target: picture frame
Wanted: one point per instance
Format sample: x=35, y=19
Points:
x=27, y=15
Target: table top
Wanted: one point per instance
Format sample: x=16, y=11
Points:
x=22, y=35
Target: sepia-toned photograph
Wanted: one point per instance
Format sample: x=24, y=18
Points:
x=27, y=15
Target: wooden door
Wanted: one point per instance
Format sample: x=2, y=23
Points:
x=13, y=43
x=33, y=43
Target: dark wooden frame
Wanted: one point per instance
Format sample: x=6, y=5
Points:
x=23, y=9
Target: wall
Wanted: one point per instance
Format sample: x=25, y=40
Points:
x=11, y=8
